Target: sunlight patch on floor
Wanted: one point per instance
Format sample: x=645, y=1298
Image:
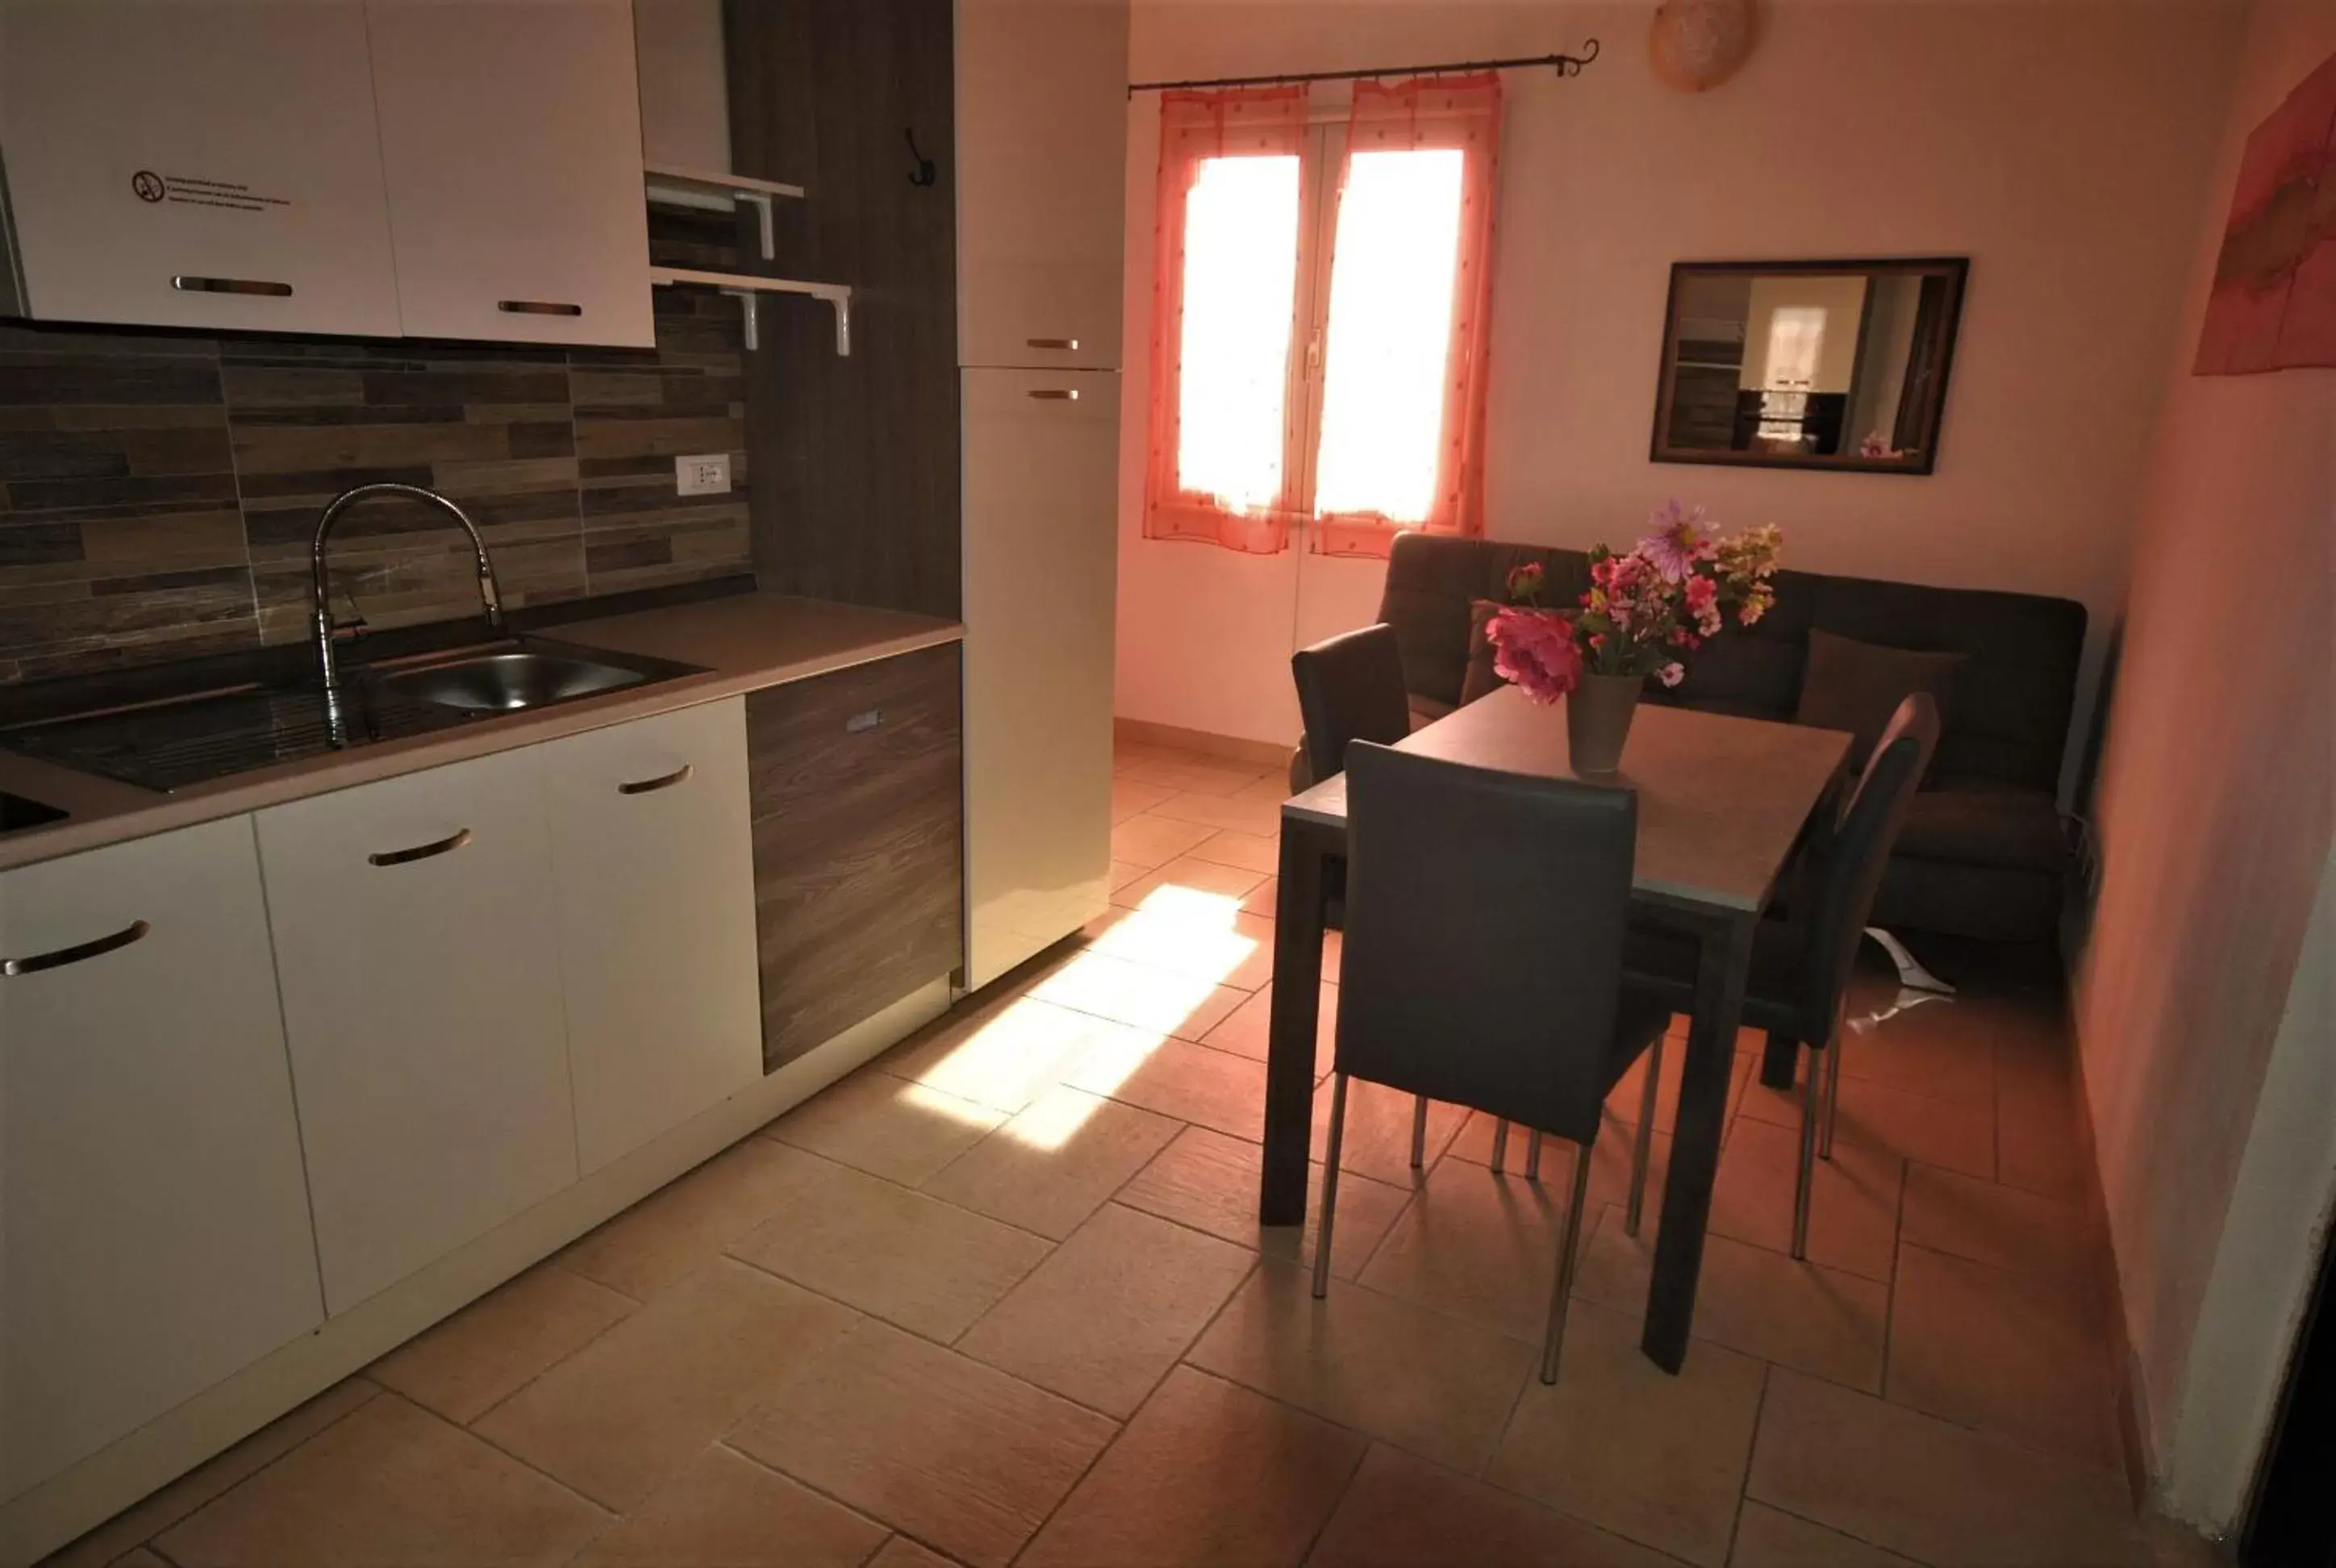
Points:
x=1105, y=1011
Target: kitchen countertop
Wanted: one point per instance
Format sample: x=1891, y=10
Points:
x=743, y=642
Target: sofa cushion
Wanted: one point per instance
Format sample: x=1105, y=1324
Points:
x=1740, y=674
x=1985, y=824
x=1858, y=686
x=2013, y=695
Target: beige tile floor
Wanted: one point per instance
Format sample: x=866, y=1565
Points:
x=1000, y=1298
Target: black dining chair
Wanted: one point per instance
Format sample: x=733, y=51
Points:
x=1799, y=983
x=1484, y=960
x=1349, y=687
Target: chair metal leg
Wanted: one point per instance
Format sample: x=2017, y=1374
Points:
x=1643, y=1139
x=1810, y=1092
x=1331, y=1185
x=1832, y=1096
x=1910, y=972
x=1532, y=1157
x=1569, y=1250
x=1500, y=1144
x=1418, y=1132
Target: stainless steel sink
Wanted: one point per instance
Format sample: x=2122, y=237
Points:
x=175, y=742
x=510, y=682
x=16, y=812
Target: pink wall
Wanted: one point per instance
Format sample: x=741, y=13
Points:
x=2064, y=147
x=2215, y=795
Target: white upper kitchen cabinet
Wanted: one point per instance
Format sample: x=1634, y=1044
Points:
x=653, y=875
x=206, y=163
x=154, y=1231
x=415, y=941
x=511, y=141
x=1042, y=175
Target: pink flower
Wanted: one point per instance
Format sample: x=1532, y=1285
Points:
x=1703, y=602
x=1533, y=649
x=1678, y=541
x=1524, y=581
x=1672, y=673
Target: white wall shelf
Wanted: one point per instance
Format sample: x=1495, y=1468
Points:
x=708, y=191
x=749, y=288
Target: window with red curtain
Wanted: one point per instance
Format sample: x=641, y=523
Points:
x=1322, y=312
x=1232, y=193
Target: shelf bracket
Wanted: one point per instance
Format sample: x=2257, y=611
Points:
x=749, y=289
x=709, y=191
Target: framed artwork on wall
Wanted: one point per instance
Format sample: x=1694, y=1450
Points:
x=2273, y=304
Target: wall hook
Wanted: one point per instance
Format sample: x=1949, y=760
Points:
x=924, y=173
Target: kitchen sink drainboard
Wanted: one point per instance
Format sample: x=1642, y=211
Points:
x=168, y=748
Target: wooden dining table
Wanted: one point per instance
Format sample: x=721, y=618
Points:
x=1727, y=809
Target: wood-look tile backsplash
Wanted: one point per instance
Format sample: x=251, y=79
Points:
x=158, y=492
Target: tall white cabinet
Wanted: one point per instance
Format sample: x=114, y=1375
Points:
x=1041, y=140
x=154, y=1231
x=1041, y=167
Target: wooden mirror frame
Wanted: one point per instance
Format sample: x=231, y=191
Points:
x=1954, y=269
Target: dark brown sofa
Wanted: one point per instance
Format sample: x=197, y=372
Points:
x=1983, y=853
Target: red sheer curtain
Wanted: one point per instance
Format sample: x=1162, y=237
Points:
x=1194, y=128
x=1460, y=114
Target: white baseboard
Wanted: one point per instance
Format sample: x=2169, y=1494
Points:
x=66, y=1506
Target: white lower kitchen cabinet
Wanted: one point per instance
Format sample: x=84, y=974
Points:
x=653, y=875
x=154, y=1234
x=416, y=943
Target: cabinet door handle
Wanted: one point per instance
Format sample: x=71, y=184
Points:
x=1055, y=393
x=186, y=283
x=860, y=723
x=650, y=785
x=539, y=307
x=1071, y=343
x=453, y=841
x=95, y=948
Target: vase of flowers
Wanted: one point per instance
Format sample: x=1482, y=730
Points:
x=1598, y=713
x=1646, y=610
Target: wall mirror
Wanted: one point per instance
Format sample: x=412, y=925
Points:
x=1808, y=364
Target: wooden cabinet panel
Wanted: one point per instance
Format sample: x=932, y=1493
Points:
x=1041, y=508
x=511, y=141
x=226, y=140
x=856, y=781
x=853, y=462
x=415, y=938
x=153, y=1219
x=1042, y=181
x=653, y=873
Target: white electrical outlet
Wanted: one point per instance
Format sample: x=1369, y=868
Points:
x=707, y=474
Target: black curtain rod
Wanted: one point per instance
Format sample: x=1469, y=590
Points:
x=1563, y=64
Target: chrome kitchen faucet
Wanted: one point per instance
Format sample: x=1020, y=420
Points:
x=328, y=662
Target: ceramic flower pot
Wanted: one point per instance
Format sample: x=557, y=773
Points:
x=1598, y=713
